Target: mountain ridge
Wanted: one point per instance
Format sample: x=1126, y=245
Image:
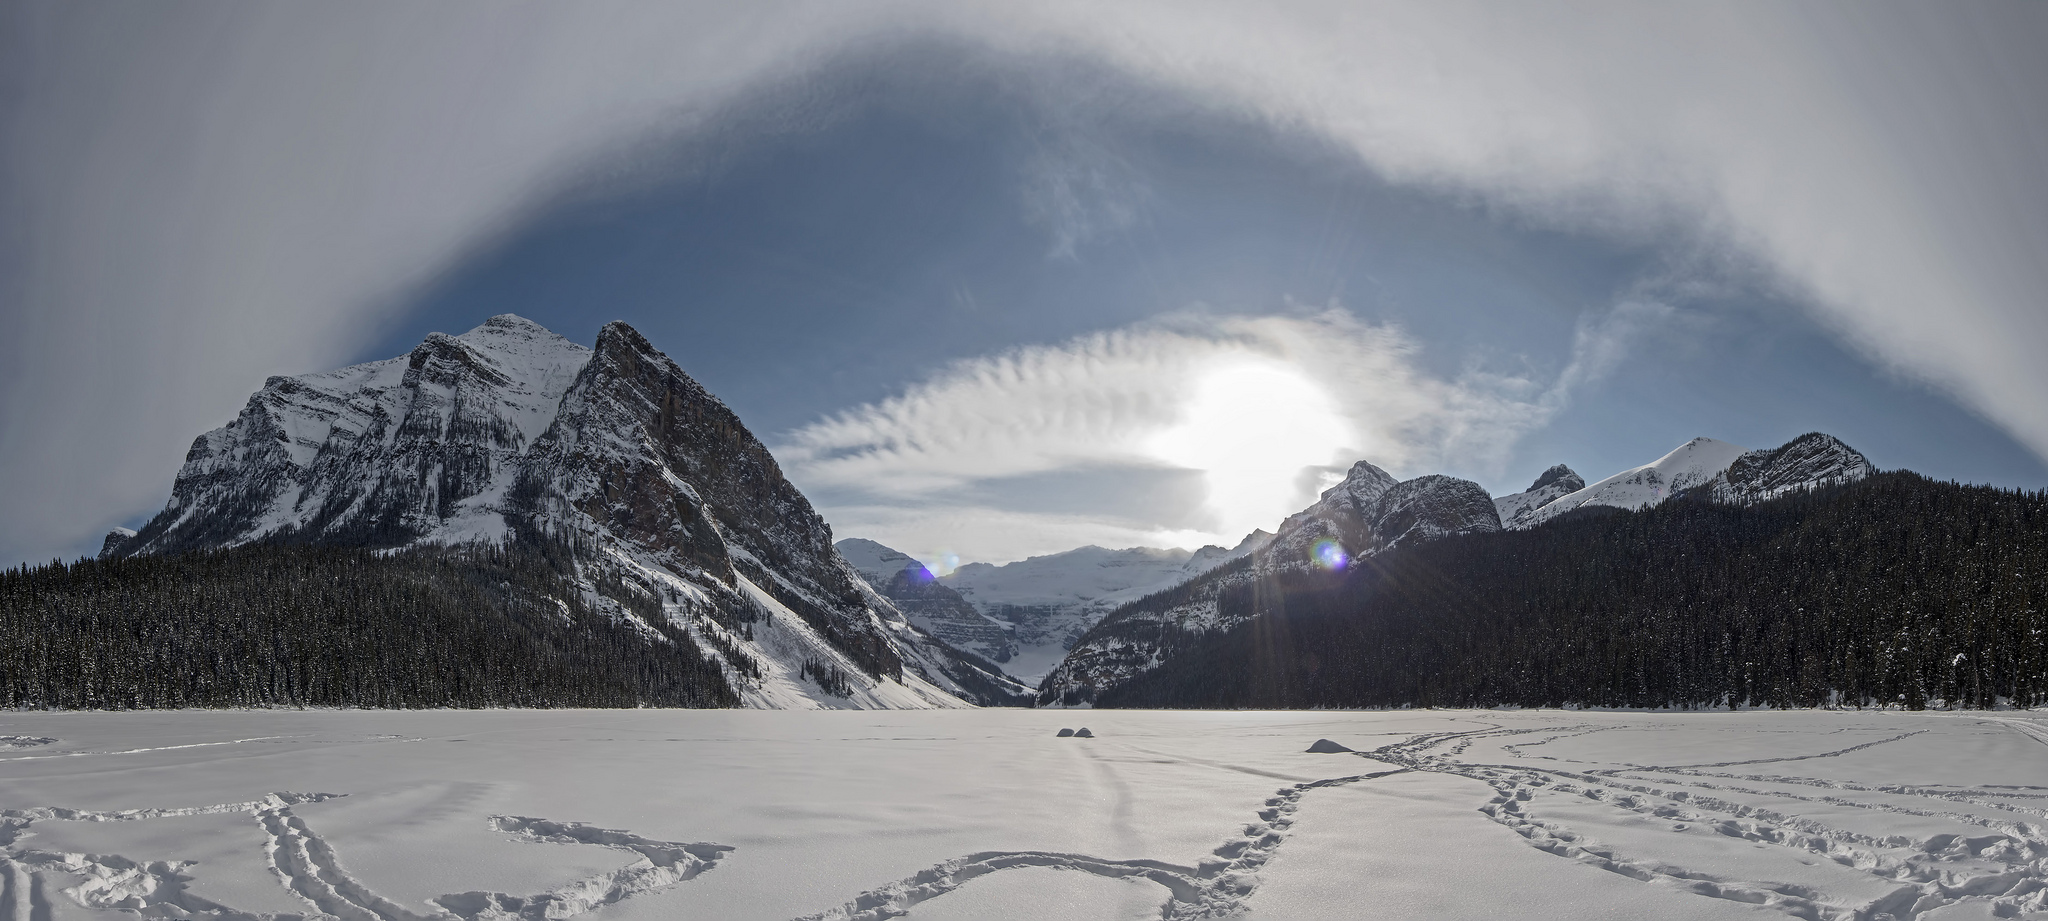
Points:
x=1370, y=513
x=1025, y=615
x=1366, y=513
x=510, y=432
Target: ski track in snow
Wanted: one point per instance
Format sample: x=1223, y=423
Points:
x=308, y=866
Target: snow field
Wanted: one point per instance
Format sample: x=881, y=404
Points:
x=628, y=815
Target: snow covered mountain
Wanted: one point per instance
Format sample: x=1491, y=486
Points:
x=1517, y=509
x=1810, y=461
x=383, y=453
x=1689, y=465
x=1026, y=615
x=1366, y=514
x=511, y=430
x=1725, y=472
x=933, y=607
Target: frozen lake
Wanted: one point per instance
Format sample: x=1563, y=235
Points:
x=666, y=814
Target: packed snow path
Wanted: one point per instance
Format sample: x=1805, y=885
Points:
x=1830, y=816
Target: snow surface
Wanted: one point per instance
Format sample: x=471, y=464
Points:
x=1691, y=464
x=628, y=815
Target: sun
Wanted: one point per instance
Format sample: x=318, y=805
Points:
x=1251, y=425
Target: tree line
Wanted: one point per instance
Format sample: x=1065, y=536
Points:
x=280, y=624
x=1897, y=590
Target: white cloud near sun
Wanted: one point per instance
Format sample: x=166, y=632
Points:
x=1266, y=409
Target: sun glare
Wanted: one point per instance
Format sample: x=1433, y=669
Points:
x=1251, y=426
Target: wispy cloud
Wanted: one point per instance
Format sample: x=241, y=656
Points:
x=1268, y=407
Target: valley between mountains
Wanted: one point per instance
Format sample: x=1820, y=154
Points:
x=510, y=629
x=506, y=517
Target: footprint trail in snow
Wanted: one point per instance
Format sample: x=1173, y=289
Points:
x=308, y=866
x=1998, y=857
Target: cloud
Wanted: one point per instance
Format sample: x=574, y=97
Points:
x=1259, y=404
x=192, y=199
x=1878, y=162
x=1601, y=341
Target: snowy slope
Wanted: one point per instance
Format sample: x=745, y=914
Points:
x=1703, y=466
x=510, y=430
x=875, y=562
x=1690, y=465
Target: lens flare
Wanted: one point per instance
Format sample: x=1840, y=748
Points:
x=1330, y=555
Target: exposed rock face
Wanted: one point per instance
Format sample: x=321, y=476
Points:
x=1369, y=512
x=648, y=457
x=1343, y=513
x=1366, y=514
x=680, y=513
x=1811, y=461
x=115, y=540
x=377, y=454
x=1518, y=509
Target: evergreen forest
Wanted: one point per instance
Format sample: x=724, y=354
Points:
x=297, y=625
x=1897, y=590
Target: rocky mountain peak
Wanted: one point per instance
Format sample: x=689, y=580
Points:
x=1809, y=461
x=509, y=431
x=1363, y=483
x=1559, y=476
x=111, y=545
x=1431, y=507
x=1521, y=509
x=1370, y=511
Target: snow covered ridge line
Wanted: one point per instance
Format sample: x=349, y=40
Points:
x=510, y=430
x=1717, y=469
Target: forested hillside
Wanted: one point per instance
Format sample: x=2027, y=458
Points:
x=296, y=625
x=1896, y=590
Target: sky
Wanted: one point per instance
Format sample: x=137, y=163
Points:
x=998, y=279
